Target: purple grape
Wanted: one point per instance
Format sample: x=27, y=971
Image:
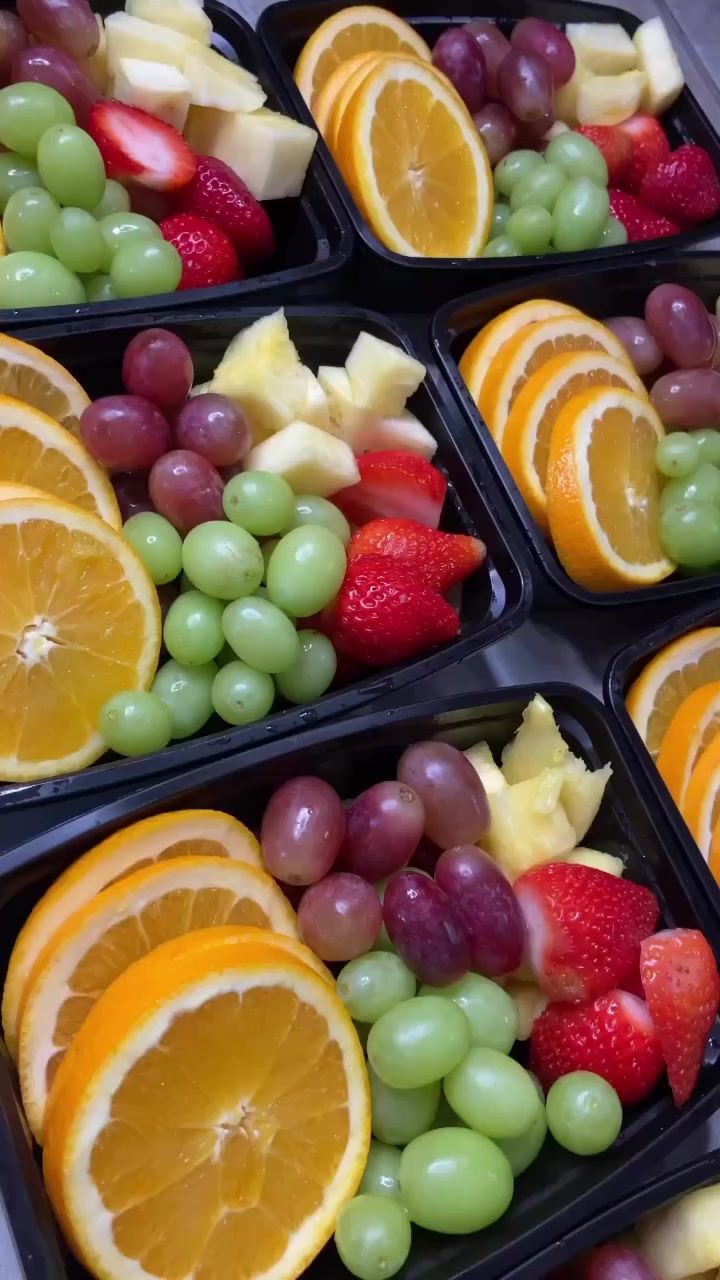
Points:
x=681, y=326
x=456, y=807
x=689, y=398
x=531, y=134
x=618, y=1262
x=158, y=365
x=525, y=86
x=186, y=489
x=497, y=130
x=384, y=827
x=63, y=24
x=546, y=41
x=638, y=342
x=13, y=39
x=424, y=929
x=486, y=907
x=340, y=917
x=495, y=47
x=61, y=72
x=459, y=56
x=302, y=830
x=132, y=493
x=125, y=433
x=215, y=427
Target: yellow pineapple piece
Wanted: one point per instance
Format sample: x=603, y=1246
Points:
x=582, y=792
x=529, y=825
x=537, y=745
x=529, y=1001
x=481, y=759
x=596, y=858
x=683, y=1238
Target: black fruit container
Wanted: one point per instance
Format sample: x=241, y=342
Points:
x=313, y=236
x=495, y=600
x=380, y=272
x=602, y=292
x=561, y=1196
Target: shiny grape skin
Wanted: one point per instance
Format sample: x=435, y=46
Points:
x=61, y=72
x=125, y=433
x=215, y=427
x=525, y=86
x=132, y=493
x=497, y=129
x=456, y=807
x=688, y=398
x=486, y=907
x=535, y=35
x=302, y=830
x=384, y=827
x=618, y=1262
x=459, y=56
x=157, y=365
x=186, y=489
x=638, y=341
x=13, y=39
x=63, y=24
x=495, y=47
x=340, y=917
x=681, y=326
x=424, y=929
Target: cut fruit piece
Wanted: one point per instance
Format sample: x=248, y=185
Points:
x=10, y=491
x=610, y=99
x=155, y=87
x=701, y=806
x=607, y=862
x=324, y=105
x=679, y=669
x=185, y=16
x=311, y=460
x=80, y=622
x=382, y=375
x=184, y=833
x=403, y=431
x=603, y=47
x=351, y=82
x=664, y=76
x=96, y=66
x=681, y=1239
x=538, y=744
x=603, y=491
x=242, y=1161
x=566, y=97
x=136, y=146
x=395, y=485
x=269, y=151
x=357, y=29
x=691, y=730
x=217, y=82
x=529, y=825
x=129, y=37
x=486, y=345
x=414, y=161
x=26, y=373
x=120, y=924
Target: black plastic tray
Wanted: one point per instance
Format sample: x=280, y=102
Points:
x=314, y=238
x=561, y=1192
x=602, y=291
x=495, y=600
x=284, y=27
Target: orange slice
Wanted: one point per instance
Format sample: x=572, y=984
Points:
x=121, y=924
x=673, y=674
x=26, y=373
x=79, y=622
x=325, y=101
x=10, y=490
x=693, y=727
x=239, y=1164
x=531, y=348
x=714, y=859
x=603, y=491
x=361, y=28
x=701, y=806
x=528, y=431
x=186, y=832
x=485, y=346
x=346, y=94
x=413, y=159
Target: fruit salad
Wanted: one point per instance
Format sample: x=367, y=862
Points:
x=542, y=140
x=496, y=988
x=135, y=157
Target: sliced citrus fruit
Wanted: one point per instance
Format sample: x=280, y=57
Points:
x=691, y=730
x=531, y=348
x=10, y=490
x=714, y=859
x=183, y=833
x=211, y=1118
x=481, y=352
x=675, y=672
x=28, y=374
x=362, y=28
x=347, y=92
x=325, y=101
x=79, y=622
x=701, y=806
x=36, y=451
x=123, y=922
x=535, y=410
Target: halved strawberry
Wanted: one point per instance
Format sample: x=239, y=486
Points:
x=135, y=144
x=442, y=559
x=394, y=483
x=682, y=987
x=649, y=147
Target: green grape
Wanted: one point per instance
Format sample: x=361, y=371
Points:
x=37, y=280
x=613, y=234
x=99, y=289
x=193, y=632
x=261, y=634
x=418, y=1041
x=115, y=199
x=310, y=509
x=677, y=454
x=690, y=534
x=27, y=111
x=399, y=1115
x=702, y=485
x=492, y=1093
x=28, y=220
x=523, y=1150
x=502, y=247
x=267, y=549
x=454, y=1181
x=372, y=984
x=382, y=1171
x=708, y=442
x=222, y=560
x=145, y=266
x=578, y=157
x=134, y=723
x=501, y=213
x=516, y=166
x=584, y=1113
x=306, y=570
x=158, y=544
x=71, y=166
x=16, y=173
x=542, y=186
x=531, y=228
x=373, y=1237
x=187, y=694
x=119, y=229
x=490, y=1011
x=77, y=241
x=242, y=695
x=312, y=672
x=579, y=215
x=259, y=501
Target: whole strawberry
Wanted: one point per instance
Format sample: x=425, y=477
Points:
x=442, y=559
x=649, y=146
x=207, y=255
x=684, y=187
x=616, y=149
x=218, y=194
x=640, y=222
x=682, y=987
x=385, y=613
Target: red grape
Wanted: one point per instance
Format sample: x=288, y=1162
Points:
x=215, y=427
x=63, y=24
x=497, y=130
x=525, y=86
x=158, y=366
x=638, y=342
x=495, y=47
x=61, y=72
x=459, y=56
x=125, y=433
x=186, y=489
x=617, y=1262
x=132, y=493
x=535, y=35
x=424, y=929
x=13, y=39
x=682, y=327
x=532, y=133
x=384, y=826
x=456, y=807
x=340, y=917
x=486, y=907
x=302, y=830
x=689, y=398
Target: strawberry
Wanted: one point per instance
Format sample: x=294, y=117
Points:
x=385, y=613
x=442, y=559
x=615, y=146
x=613, y=1036
x=649, y=146
x=135, y=144
x=218, y=194
x=584, y=928
x=207, y=255
x=394, y=483
x=682, y=987
x=684, y=187
x=640, y=222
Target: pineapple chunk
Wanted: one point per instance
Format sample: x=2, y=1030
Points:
x=529, y=825
x=481, y=759
x=596, y=858
x=537, y=745
x=529, y=1002
x=567, y=95
x=350, y=420
x=129, y=37
x=309, y=459
x=684, y=1237
x=582, y=793
x=657, y=58
x=96, y=66
x=364, y=429
x=270, y=152
x=602, y=47
x=155, y=87
x=382, y=376
x=610, y=99
x=185, y=16
x=216, y=82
